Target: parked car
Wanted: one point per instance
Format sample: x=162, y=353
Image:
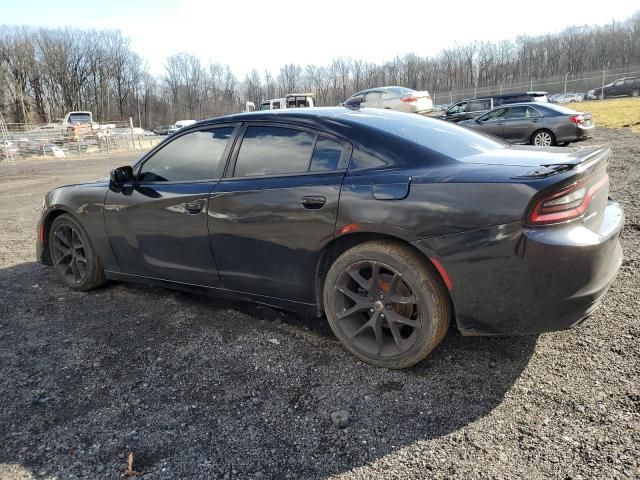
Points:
x=535, y=123
x=291, y=100
x=178, y=125
x=399, y=99
x=474, y=107
x=162, y=130
x=624, y=87
x=390, y=224
x=566, y=97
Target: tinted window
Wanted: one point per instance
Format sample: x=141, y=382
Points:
x=194, y=156
x=442, y=137
x=273, y=151
x=326, y=155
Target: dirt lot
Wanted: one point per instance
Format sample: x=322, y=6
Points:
x=199, y=388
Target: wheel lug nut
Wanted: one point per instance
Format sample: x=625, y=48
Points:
x=371, y=310
x=382, y=315
x=381, y=297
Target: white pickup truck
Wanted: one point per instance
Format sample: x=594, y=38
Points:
x=292, y=100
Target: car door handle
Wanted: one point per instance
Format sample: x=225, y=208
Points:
x=534, y=121
x=313, y=202
x=194, y=207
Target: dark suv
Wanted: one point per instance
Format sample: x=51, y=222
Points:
x=629, y=86
x=474, y=107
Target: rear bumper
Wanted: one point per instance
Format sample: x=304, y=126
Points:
x=576, y=134
x=513, y=280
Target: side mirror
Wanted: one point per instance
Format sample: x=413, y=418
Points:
x=121, y=175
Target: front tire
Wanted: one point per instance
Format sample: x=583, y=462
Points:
x=73, y=256
x=635, y=93
x=386, y=304
x=543, y=138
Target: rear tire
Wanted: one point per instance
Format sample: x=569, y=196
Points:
x=73, y=256
x=635, y=93
x=386, y=304
x=543, y=138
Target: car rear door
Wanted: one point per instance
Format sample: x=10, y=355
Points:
x=276, y=209
x=520, y=124
x=157, y=225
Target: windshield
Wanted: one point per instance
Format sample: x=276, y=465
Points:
x=443, y=137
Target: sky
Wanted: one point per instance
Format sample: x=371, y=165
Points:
x=266, y=34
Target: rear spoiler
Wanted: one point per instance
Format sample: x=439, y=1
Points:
x=582, y=160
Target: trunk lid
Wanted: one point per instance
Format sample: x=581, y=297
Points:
x=528, y=156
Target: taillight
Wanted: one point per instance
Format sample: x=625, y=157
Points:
x=577, y=119
x=409, y=99
x=566, y=204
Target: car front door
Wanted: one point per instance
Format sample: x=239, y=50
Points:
x=520, y=124
x=492, y=122
x=276, y=209
x=157, y=225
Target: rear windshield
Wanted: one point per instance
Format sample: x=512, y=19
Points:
x=560, y=109
x=402, y=90
x=79, y=118
x=443, y=137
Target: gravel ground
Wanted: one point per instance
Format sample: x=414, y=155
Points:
x=199, y=388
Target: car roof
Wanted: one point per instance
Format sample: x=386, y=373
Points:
x=342, y=121
x=377, y=89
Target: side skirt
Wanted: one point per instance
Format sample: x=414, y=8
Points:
x=217, y=292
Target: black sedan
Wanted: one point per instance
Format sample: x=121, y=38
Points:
x=535, y=123
x=391, y=224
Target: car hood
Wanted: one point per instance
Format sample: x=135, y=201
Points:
x=529, y=156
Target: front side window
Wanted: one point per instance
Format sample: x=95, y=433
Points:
x=457, y=108
x=273, y=151
x=194, y=156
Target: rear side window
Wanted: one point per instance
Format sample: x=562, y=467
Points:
x=326, y=155
x=279, y=151
x=274, y=151
x=194, y=156
x=442, y=137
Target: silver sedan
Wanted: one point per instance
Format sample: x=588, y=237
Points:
x=400, y=99
x=535, y=123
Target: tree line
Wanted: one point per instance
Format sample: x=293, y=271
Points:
x=46, y=72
